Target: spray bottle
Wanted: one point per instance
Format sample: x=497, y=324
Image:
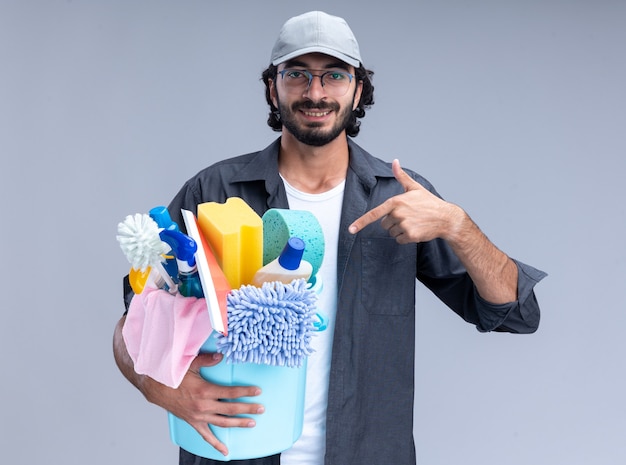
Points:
x=162, y=218
x=287, y=267
x=184, y=248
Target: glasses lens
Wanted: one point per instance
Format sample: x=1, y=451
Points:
x=335, y=83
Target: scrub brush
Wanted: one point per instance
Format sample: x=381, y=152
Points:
x=138, y=236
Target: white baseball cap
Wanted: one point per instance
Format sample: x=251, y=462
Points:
x=316, y=31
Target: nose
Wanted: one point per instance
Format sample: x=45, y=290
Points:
x=315, y=89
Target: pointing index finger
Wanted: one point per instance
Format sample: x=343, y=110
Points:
x=374, y=214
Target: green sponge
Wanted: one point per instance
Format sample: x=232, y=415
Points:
x=281, y=224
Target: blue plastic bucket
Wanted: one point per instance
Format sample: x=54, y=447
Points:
x=276, y=430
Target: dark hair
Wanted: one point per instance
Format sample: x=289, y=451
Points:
x=367, y=99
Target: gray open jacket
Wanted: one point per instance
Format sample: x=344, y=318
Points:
x=370, y=400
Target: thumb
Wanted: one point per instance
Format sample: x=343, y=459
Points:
x=403, y=178
x=205, y=360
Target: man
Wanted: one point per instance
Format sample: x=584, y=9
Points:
x=383, y=226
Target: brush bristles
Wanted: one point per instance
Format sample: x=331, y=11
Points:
x=138, y=236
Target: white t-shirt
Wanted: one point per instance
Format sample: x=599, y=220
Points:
x=326, y=207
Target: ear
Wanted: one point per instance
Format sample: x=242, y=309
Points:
x=272, y=88
x=357, y=94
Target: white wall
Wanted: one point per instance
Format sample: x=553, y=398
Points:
x=513, y=109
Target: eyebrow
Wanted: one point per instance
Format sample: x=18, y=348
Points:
x=333, y=64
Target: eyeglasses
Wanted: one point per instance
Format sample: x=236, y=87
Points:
x=335, y=83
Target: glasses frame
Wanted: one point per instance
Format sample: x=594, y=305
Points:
x=310, y=76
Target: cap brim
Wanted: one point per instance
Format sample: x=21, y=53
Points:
x=317, y=49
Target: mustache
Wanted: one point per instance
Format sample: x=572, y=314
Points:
x=310, y=105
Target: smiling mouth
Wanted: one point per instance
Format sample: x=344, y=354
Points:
x=316, y=114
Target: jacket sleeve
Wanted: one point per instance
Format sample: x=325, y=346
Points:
x=440, y=271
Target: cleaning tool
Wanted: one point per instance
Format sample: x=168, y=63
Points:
x=184, y=248
x=267, y=344
x=276, y=430
x=269, y=330
x=287, y=267
x=138, y=236
x=163, y=334
x=138, y=279
x=162, y=218
x=266, y=331
x=270, y=325
x=164, y=331
x=235, y=233
x=214, y=283
x=281, y=224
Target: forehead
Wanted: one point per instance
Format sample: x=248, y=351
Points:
x=316, y=61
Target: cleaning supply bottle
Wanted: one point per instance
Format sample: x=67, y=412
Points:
x=184, y=248
x=287, y=266
x=162, y=218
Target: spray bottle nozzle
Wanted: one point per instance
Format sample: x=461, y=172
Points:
x=183, y=246
x=162, y=217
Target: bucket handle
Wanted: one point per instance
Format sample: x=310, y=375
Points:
x=321, y=324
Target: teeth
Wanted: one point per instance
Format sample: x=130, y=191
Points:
x=316, y=114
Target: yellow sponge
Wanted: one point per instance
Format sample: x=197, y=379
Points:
x=235, y=233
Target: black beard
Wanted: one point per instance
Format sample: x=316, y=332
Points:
x=311, y=134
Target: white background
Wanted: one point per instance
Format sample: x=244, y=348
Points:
x=515, y=110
